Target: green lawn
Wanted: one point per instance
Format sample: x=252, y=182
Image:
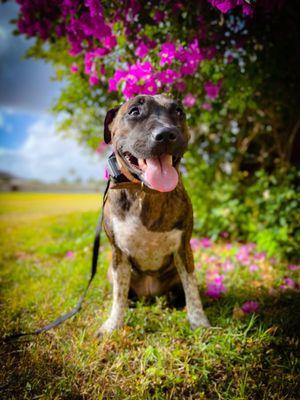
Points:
x=45, y=259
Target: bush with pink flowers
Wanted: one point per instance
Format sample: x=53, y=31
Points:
x=234, y=65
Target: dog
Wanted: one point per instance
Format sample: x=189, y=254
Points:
x=148, y=216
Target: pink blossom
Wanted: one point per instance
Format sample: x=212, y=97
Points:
x=215, y=286
x=289, y=282
x=195, y=244
x=253, y=267
x=250, y=307
x=212, y=90
x=205, y=242
x=190, y=57
x=228, y=266
x=180, y=86
x=207, y=106
x=142, y=50
x=74, y=68
x=189, y=100
x=110, y=42
x=94, y=80
x=259, y=256
x=243, y=255
x=247, y=9
x=167, y=53
x=159, y=16
x=70, y=254
x=223, y=5
x=149, y=87
x=224, y=234
x=168, y=76
x=293, y=267
x=101, y=148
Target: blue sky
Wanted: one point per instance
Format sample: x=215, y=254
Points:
x=30, y=147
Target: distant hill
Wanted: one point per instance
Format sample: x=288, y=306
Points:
x=12, y=183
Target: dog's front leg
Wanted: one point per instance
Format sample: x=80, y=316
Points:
x=195, y=313
x=120, y=271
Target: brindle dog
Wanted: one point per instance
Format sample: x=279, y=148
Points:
x=149, y=221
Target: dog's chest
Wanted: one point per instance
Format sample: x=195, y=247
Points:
x=147, y=247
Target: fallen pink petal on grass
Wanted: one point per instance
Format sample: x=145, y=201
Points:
x=70, y=254
x=253, y=267
x=293, y=267
x=250, y=307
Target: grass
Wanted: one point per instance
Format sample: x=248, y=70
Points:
x=156, y=355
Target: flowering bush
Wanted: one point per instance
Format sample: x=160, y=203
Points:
x=225, y=59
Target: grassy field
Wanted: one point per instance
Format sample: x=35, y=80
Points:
x=251, y=352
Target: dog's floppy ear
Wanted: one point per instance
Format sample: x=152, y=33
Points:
x=108, y=120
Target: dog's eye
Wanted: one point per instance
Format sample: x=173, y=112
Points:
x=134, y=111
x=179, y=111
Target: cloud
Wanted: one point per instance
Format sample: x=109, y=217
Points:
x=25, y=84
x=48, y=157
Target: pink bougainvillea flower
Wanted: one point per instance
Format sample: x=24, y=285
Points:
x=167, y=53
x=70, y=254
x=293, y=267
x=224, y=234
x=250, y=307
x=74, y=68
x=243, y=255
x=259, y=256
x=289, y=282
x=226, y=5
x=215, y=285
x=110, y=42
x=212, y=89
x=195, y=244
x=149, y=87
x=159, y=16
x=93, y=80
x=168, y=76
x=101, y=148
x=228, y=266
x=223, y=5
x=247, y=9
x=142, y=50
x=205, y=242
x=253, y=267
x=180, y=86
x=189, y=100
x=207, y=106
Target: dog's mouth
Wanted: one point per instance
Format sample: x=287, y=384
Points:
x=158, y=173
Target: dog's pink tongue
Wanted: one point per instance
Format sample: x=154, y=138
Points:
x=160, y=173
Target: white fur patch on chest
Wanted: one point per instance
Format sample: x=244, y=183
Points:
x=148, y=248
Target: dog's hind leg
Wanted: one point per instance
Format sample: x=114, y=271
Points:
x=120, y=274
x=195, y=313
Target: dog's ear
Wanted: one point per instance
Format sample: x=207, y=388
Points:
x=108, y=120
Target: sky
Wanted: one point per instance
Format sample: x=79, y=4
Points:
x=30, y=147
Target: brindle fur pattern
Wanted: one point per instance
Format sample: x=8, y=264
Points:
x=150, y=236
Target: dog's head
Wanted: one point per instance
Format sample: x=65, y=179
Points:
x=149, y=133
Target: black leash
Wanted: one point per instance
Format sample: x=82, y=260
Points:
x=77, y=308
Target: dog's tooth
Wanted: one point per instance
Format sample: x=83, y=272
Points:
x=169, y=158
x=142, y=163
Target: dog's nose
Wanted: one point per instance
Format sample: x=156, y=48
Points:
x=165, y=135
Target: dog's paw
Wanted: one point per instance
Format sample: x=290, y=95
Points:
x=107, y=328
